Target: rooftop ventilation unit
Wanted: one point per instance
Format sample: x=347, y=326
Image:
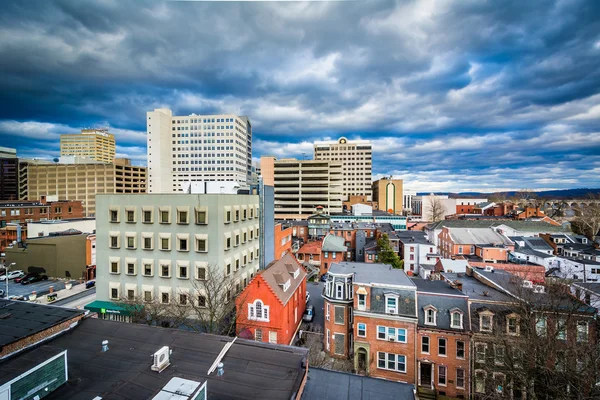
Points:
x=528, y=284
x=538, y=289
x=161, y=359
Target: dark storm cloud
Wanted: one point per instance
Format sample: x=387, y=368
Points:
x=454, y=94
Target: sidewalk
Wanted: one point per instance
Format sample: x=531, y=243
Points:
x=62, y=294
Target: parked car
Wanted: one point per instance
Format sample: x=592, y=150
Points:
x=309, y=314
x=307, y=297
x=1, y=293
x=13, y=297
x=12, y=275
x=31, y=278
x=90, y=284
x=324, y=278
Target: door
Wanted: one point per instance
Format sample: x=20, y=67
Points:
x=361, y=354
x=425, y=374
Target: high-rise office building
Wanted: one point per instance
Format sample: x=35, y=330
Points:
x=303, y=185
x=356, y=159
x=387, y=193
x=95, y=144
x=197, y=148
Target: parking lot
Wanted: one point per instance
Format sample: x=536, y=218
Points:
x=41, y=288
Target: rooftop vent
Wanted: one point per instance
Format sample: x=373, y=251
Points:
x=104, y=346
x=528, y=284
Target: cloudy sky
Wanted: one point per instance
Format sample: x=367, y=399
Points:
x=455, y=95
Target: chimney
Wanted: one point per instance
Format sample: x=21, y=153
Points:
x=43, y=199
x=104, y=346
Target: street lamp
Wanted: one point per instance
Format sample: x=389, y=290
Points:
x=6, y=269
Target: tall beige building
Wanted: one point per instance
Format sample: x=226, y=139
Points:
x=387, y=193
x=302, y=185
x=356, y=159
x=83, y=181
x=197, y=148
x=95, y=144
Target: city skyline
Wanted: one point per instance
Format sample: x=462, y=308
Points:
x=457, y=97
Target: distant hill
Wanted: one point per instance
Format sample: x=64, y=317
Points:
x=555, y=194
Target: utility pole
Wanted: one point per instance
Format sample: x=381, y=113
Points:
x=6, y=269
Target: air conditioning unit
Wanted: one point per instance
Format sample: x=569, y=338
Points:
x=392, y=311
x=489, y=268
x=161, y=359
x=538, y=289
x=528, y=284
x=391, y=339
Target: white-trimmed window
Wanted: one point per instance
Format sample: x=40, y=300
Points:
x=499, y=354
x=391, y=304
x=227, y=215
x=258, y=335
x=456, y=319
x=147, y=267
x=460, y=250
x=327, y=311
x=244, y=213
x=582, y=331
x=165, y=215
x=486, y=320
x=442, y=375
x=113, y=214
x=540, y=326
x=561, y=329
x=147, y=215
x=391, y=362
x=339, y=290
x=130, y=240
x=114, y=240
x=480, y=349
x=499, y=381
x=512, y=324
x=361, y=330
x=183, y=215
x=183, y=242
x=130, y=215
x=201, y=216
x=362, y=301
x=165, y=269
x=430, y=315
x=272, y=334
x=328, y=339
x=165, y=297
x=147, y=240
x=131, y=264
x=115, y=265
x=115, y=290
x=442, y=345
x=165, y=241
x=425, y=344
x=201, y=243
x=460, y=378
x=391, y=334
x=201, y=271
x=183, y=269
x=460, y=349
x=257, y=311
x=236, y=213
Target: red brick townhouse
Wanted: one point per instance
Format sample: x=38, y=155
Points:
x=270, y=308
x=370, y=316
x=443, y=340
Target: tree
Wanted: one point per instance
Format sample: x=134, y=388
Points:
x=386, y=254
x=587, y=218
x=435, y=208
x=543, y=345
x=207, y=306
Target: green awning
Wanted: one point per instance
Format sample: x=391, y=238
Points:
x=107, y=307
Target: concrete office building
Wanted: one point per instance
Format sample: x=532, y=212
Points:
x=356, y=159
x=387, y=193
x=83, y=181
x=303, y=185
x=95, y=144
x=197, y=148
x=157, y=246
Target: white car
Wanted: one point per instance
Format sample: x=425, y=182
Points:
x=12, y=275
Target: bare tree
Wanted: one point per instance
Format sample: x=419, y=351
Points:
x=312, y=339
x=542, y=346
x=587, y=218
x=435, y=208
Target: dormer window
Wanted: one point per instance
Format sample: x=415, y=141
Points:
x=296, y=273
x=257, y=311
x=456, y=319
x=287, y=285
x=391, y=304
x=339, y=290
x=430, y=315
x=486, y=319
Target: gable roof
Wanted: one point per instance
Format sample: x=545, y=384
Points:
x=525, y=226
x=279, y=272
x=311, y=248
x=476, y=236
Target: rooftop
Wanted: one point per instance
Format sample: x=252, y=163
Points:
x=408, y=237
x=333, y=243
x=436, y=287
x=476, y=236
x=280, y=271
x=381, y=274
x=311, y=248
x=20, y=319
x=326, y=384
x=252, y=370
x=475, y=289
x=526, y=226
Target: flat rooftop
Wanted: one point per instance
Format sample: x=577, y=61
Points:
x=372, y=273
x=253, y=370
x=326, y=384
x=21, y=319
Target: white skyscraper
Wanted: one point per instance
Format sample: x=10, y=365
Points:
x=356, y=159
x=197, y=148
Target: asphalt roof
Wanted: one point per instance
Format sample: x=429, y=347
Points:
x=408, y=237
x=280, y=271
x=525, y=226
x=436, y=286
x=591, y=286
x=475, y=289
x=372, y=273
x=20, y=319
x=332, y=385
x=253, y=370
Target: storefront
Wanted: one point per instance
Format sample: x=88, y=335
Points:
x=110, y=311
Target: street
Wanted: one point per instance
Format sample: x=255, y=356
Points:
x=316, y=300
x=41, y=288
x=77, y=301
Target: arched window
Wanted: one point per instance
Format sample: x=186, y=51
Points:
x=257, y=311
